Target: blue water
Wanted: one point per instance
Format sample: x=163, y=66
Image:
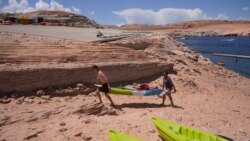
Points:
x=228, y=45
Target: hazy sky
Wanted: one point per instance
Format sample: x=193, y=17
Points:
x=138, y=11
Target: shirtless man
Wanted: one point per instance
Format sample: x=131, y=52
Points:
x=168, y=86
x=105, y=85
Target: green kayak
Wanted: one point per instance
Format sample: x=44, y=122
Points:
x=174, y=132
x=118, y=136
x=120, y=91
x=132, y=92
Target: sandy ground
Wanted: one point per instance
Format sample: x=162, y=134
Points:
x=209, y=101
x=208, y=97
x=80, y=34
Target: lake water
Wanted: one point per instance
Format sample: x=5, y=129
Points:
x=226, y=45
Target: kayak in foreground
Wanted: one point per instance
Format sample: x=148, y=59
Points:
x=170, y=131
x=118, y=136
x=125, y=91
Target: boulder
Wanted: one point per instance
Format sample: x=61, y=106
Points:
x=40, y=93
x=63, y=129
x=46, y=97
x=78, y=134
x=177, y=52
x=66, y=92
x=192, y=57
x=86, y=138
x=62, y=124
x=5, y=101
x=81, y=86
x=29, y=136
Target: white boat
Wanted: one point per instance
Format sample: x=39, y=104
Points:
x=229, y=40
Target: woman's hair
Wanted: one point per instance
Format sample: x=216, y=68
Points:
x=95, y=67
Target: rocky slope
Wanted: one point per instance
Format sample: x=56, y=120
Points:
x=62, y=17
x=186, y=28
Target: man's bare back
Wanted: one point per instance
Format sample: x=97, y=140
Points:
x=105, y=85
x=102, y=77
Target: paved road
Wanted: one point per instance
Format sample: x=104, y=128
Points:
x=82, y=34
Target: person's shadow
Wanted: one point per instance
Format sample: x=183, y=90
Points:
x=145, y=105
